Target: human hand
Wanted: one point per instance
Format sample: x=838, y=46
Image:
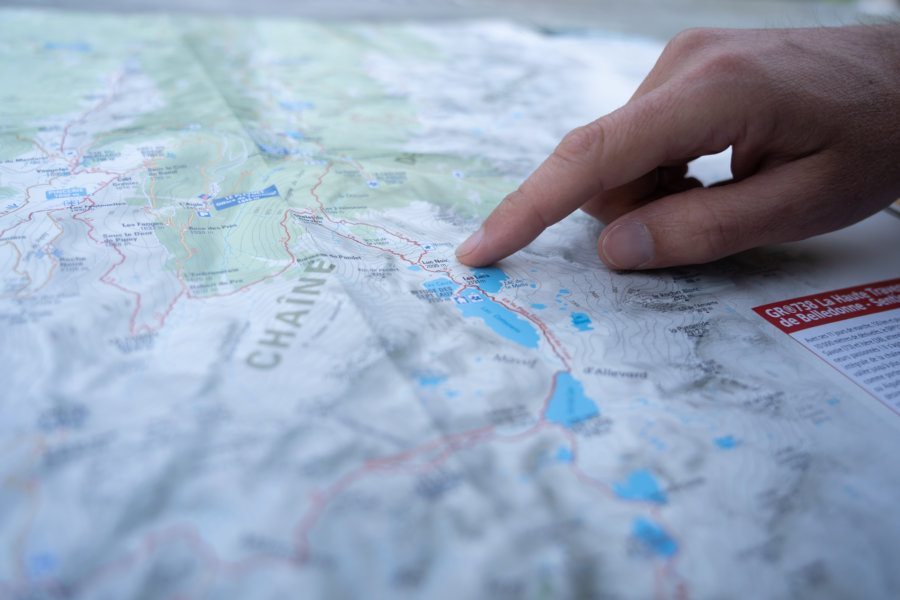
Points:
x=813, y=119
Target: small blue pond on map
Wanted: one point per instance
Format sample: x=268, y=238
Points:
x=569, y=404
x=582, y=322
x=653, y=537
x=640, y=485
x=564, y=454
x=727, y=442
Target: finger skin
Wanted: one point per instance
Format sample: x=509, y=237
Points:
x=610, y=204
x=657, y=184
x=783, y=204
x=705, y=224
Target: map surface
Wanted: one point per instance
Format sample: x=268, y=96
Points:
x=238, y=358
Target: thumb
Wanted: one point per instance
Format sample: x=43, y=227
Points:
x=785, y=203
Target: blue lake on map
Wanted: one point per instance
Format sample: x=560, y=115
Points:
x=582, y=322
x=564, y=455
x=297, y=105
x=653, y=537
x=499, y=318
x=640, y=485
x=490, y=279
x=727, y=442
x=473, y=304
x=431, y=380
x=569, y=405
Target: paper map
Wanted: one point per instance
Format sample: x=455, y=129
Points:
x=239, y=358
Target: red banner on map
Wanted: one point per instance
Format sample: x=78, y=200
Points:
x=798, y=314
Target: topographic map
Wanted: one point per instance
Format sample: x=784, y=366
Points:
x=239, y=359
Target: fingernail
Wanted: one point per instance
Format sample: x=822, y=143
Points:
x=628, y=246
x=471, y=243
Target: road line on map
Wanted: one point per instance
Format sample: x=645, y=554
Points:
x=32, y=489
x=28, y=192
x=321, y=499
x=49, y=256
x=345, y=221
x=553, y=342
x=152, y=544
x=16, y=270
x=102, y=279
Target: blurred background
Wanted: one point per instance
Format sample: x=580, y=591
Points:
x=656, y=18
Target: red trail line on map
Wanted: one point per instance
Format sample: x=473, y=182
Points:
x=555, y=345
x=320, y=500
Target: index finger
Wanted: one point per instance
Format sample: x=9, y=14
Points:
x=657, y=128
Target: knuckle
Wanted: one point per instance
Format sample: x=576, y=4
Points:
x=690, y=41
x=580, y=143
x=520, y=203
x=712, y=53
x=726, y=63
x=515, y=201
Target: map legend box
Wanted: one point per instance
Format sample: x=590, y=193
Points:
x=856, y=330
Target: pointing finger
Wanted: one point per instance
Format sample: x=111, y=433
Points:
x=662, y=127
